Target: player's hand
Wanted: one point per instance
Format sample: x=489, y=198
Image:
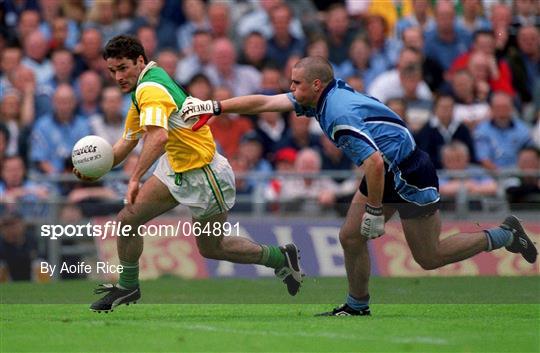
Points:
x=372, y=222
x=132, y=191
x=82, y=177
x=200, y=111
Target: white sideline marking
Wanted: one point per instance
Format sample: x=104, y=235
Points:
x=210, y=328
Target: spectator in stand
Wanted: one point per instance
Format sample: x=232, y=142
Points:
x=283, y=44
x=470, y=107
x=59, y=34
x=447, y=40
x=271, y=131
x=306, y=193
x=88, y=52
x=259, y=21
x=228, y=129
x=63, y=66
x=54, y=135
x=148, y=37
x=472, y=18
x=442, y=129
x=17, y=115
x=432, y=73
x=167, y=59
x=418, y=108
x=525, y=62
x=149, y=14
x=284, y=161
x=224, y=71
x=220, y=22
x=255, y=51
x=299, y=136
x=500, y=76
x=389, y=84
x=200, y=87
x=198, y=60
x=359, y=63
x=10, y=58
x=35, y=57
x=108, y=122
x=90, y=87
x=384, y=50
x=12, y=15
x=196, y=20
x=525, y=190
x=499, y=140
x=16, y=189
x=103, y=15
x=18, y=249
x=455, y=158
x=22, y=79
x=338, y=33
x=251, y=151
x=271, y=80
x=420, y=17
x=501, y=17
x=526, y=14
x=318, y=46
x=125, y=12
x=28, y=22
x=51, y=17
x=480, y=69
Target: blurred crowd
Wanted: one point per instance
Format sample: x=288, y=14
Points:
x=464, y=75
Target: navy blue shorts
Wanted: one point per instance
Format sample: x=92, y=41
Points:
x=412, y=187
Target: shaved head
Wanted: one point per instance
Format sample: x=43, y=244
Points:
x=316, y=67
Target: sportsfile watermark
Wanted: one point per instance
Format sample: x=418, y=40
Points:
x=118, y=229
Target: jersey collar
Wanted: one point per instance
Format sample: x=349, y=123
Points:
x=150, y=65
x=322, y=98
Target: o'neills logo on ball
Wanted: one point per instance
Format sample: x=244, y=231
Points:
x=85, y=149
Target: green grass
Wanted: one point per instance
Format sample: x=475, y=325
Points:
x=409, y=315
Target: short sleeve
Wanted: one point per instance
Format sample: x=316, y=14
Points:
x=155, y=104
x=299, y=109
x=132, y=128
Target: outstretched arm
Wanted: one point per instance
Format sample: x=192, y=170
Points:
x=256, y=104
x=200, y=111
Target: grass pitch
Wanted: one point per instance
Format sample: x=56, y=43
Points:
x=409, y=315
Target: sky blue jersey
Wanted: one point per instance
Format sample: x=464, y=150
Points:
x=359, y=124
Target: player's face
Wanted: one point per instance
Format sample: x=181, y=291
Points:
x=125, y=72
x=302, y=90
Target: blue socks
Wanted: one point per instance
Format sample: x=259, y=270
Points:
x=358, y=304
x=498, y=237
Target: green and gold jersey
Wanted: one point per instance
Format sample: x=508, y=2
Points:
x=157, y=101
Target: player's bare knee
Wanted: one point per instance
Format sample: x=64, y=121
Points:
x=127, y=217
x=428, y=262
x=351, y=240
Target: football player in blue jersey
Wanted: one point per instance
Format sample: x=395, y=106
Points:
x=397, y=176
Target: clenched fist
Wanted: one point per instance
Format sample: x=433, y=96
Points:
x=372, y=222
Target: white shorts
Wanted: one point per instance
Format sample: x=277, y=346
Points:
x=207, y=191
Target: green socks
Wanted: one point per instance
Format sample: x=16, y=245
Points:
x=272, y=257
x=129, y=278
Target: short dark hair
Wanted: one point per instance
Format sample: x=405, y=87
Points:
x=124, y=46
x=483, y=32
